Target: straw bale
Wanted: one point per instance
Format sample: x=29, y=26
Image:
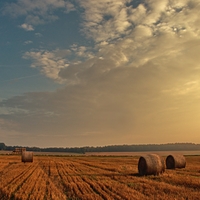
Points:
x=27, y=156
x=175, y=161
x=151, y=164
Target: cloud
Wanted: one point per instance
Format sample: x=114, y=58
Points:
x=27, y=27
x=186, y=89
x=105, y=20
x=109, y=20
x=37, y=12
x=124, y=36
x=74, y=110
x=28, y=42
x=82, y=52
x=118, y=104
x=38, y=35
x=137, y=83
x=8, y=124
x=163, y=34
x=135, y=35
x=49, y=63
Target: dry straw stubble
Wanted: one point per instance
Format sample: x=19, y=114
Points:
x=151, y=164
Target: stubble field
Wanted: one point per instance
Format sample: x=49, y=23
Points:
x=94, y=177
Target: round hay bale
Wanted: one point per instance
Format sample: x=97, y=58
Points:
x=151, y=164
x=175, y=161
x=27, y=156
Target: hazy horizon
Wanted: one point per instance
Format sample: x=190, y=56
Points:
x=83, y=73
x=93, y=146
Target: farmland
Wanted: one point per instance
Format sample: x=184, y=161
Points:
x=94, y=177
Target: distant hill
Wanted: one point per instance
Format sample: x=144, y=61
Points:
x=114, y=148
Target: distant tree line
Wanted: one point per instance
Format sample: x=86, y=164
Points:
x=113, y=148
x=2, y=146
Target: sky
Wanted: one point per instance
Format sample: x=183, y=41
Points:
x=79, y=73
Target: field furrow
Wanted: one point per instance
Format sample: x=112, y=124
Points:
x=93, y=177
x=14, y=180
x=28, y=186
x=39, y=190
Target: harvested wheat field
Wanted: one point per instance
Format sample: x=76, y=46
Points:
x=94, y=177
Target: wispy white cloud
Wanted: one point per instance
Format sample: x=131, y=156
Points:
x=37, y=12
x=27, y=27
x=28, y=42
x=38, y=35
x=53, y=63
x=105, y=20
x=82, y=51
x=186, y=89
x=49, y=63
